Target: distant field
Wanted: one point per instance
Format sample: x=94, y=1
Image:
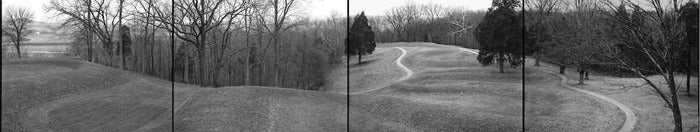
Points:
x=44, y=43
x=38, y=49
x=41, y=43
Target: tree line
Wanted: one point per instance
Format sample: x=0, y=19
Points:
x=217, y=42
x=645, y=38
x=427, y=23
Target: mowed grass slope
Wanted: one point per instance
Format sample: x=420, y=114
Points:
x=437, y=100
x=73, y=95
x=376, y=70
x=256, y=108
x=451, y=91
x=653, y=115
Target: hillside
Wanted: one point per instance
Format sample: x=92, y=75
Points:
x=450, y=91
x=72, y=95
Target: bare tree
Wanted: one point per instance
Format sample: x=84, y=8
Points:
x=97, y=16
x=462, y=20
x=16, y=24
x=121, y=48
x=401, y=18
x=143, y=14
x=281, y=12
x=432, y=11
x=194, y=19
x=539, y=11
x=658, y=35
x=543, y=6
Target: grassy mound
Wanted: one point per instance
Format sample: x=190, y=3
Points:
x=451, y=91
x=86, y=97
x=254, y=108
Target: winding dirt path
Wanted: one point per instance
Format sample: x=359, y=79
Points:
x=408, y=74
x=630, y=118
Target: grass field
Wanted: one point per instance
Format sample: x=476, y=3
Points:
x=255, y=108
x=652, y=114
x=451, y=91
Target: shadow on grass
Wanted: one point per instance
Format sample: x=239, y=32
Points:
x=366, y=62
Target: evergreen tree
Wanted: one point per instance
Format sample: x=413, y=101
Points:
x=125, y=37
x=361, y=38
x=500, y=34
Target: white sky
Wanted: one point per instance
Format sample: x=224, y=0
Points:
x=36, y=6
x=316, y=9
x=380, y=7
x=323, y=8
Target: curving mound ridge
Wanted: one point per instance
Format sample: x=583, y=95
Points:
x=255, y=108
x=451, y=91
x=438, y=97
x=71, y=95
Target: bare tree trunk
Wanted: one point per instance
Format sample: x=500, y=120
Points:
x=359, y=60
x=89, y=46
x=276, y=61
x=687, y=73
x=150, y=36
x=678, y=123
x=562, y=69
x=90, y=35
x=500, y=62
x=121, y=42
x=258, y=79
x=580, y=77
x=217, y=65
x=248, y=51
x=677, y=120
x=19, y=55
x=200, y=73
x=187, y=70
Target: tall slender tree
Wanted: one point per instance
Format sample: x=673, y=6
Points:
x=689, y=15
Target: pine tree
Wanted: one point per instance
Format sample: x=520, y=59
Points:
x=361, y=38
x=499, y=34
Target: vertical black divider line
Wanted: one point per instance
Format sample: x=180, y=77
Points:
x=172, y=64
x=1, y=58
x=347, y=68
x=522, y=53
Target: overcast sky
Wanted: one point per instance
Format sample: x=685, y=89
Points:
x=379, y=7
x=36, y=6
x=316, y=9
